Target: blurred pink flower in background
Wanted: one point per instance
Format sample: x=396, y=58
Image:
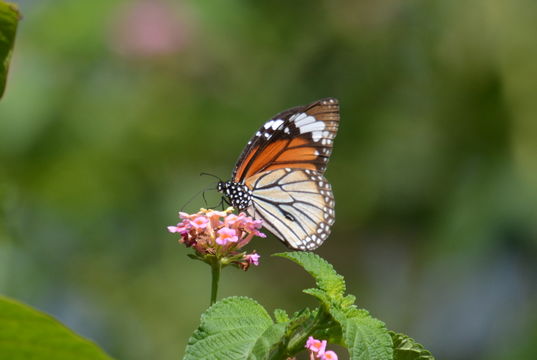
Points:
x=149, y=28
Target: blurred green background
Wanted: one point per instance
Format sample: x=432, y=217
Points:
x=113, y=108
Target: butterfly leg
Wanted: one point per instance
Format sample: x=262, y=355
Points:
x=224, y=200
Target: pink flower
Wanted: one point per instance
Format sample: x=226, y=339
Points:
x=226, y=235
x=316, y=346
x=233, y=219
x=329, y=355
x=214, y=213
x=317, y=349
x=184, y=215
x=219, y=234
x=214, y=217
x=260, y=234
x=256, y=224
x=253, y=258
x=199, y=222
x=180, y=228
x=253, y=225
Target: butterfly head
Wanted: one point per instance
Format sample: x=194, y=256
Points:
x=239, y=195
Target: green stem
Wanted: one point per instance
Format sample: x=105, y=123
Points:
x=297, y=340
x=216, y=267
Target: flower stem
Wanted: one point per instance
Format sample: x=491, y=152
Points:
x=297, y=341
x=216, y=267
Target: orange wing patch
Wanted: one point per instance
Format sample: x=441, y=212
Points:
x=297, y=151
x=244, y=164
x=281, y=154
x=251, y=166
x=300, y=137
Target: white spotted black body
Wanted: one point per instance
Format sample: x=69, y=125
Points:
x=238, y=195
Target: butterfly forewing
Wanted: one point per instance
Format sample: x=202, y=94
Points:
x=301, y=137
x=296, y=205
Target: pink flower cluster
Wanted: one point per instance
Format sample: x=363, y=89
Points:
x=219, y=233
x=317, y=349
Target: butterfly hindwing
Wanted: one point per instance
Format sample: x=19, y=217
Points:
x=301, y=137
x=296, y=205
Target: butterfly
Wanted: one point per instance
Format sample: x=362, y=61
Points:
x=279, y=175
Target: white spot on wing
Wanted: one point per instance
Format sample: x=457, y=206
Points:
x=276, y=124
x=301, y=119
x=307, y=123
x=317, y=126
x=317, y=135
x=297, y=116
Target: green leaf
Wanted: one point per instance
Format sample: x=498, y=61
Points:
x=272, y=336
x=406, y=348
x=230, y=329
x=301, y=317
x=365, y=337
x=281, y=316
x=26, y=333
x=9, y=18
x=322, y=296
x=326, y=277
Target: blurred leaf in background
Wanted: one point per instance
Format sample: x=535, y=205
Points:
x=115, y=106
x=9, y=18
x=29, y=334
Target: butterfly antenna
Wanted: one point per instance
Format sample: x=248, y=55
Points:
x=190, y=200
x=197, y=194
x=214, y=176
